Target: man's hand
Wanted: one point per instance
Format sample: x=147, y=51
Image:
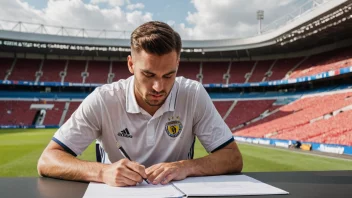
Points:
x=165, y=172
x=123, y=173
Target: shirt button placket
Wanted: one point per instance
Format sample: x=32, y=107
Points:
x=150, y=133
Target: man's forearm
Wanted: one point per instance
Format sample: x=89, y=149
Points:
x=221, y=162
x=59, y=164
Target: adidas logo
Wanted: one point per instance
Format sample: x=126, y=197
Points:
x=125, y=133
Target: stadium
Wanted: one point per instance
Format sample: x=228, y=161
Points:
x=289, y=86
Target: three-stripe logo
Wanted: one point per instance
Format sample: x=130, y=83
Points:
x=125, y=133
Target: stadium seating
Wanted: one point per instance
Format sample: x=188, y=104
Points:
x=72, y=108
x=51, y=70
x=5, y=64
x=247, y=110
x=324, y=62
x=120, y=69
x=239, y=70
x=189, y=70
x=222, y=106
x=213, y=72
x=19, y=112
x=98, y=72
x=295, y=121
x=259, y=72
x=281, y=67
x=53, y=116
x=74, y=70
x=16, y=113
x=25, y=69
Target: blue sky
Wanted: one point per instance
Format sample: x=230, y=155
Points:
x=193, y=19
x=163, y=10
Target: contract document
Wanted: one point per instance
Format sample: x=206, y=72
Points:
x=223, y=185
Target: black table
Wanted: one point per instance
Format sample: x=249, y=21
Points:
x=318, y=184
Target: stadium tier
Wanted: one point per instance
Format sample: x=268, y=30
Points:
x=245, y=111
x=322, y=119
x=16, y=113
x=260, y=69
x=98, y=72
x=25, y=69
x=282, y=67
x=20, y=113
x=223, y=107
x=51, y=70
x=120, y=70
x=79, y=71
x=213, y=72
x=189, y=70
x=324, y=62
x=72, y=108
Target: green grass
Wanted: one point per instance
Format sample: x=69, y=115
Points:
x=20, y=150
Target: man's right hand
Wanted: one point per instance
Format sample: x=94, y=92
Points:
x=123, y=173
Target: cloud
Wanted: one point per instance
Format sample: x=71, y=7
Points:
x=74, y=13
x=135, y=6
x=216, y=19
x=110, y=2
x=212, y=19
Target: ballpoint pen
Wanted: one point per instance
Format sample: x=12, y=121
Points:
x=124, y=153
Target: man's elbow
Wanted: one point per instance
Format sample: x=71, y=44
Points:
x=238, y=161
x=41, y=165
x=239, y=165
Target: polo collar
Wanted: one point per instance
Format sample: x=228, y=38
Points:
x=133, y=107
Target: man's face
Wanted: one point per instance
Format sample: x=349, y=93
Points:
x=154, y=76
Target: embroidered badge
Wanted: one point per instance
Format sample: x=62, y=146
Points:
x=174, y=127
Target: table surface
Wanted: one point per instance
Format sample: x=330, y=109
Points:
x=299, y=184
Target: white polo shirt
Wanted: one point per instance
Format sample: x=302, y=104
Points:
x=111, y=113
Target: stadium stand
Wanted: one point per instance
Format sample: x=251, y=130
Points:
x=324, y=62
x=51, y=70
x=307, y=119
x=74, y=71
x=213, y=72
x=239, y=70
x=53, y=116
x=19, y=112
x=5, y=65
x=25, y=69
x=222, y=107
x=259, y=71
x=98, y=72
x=72, y=108
x=16, y=113
x=80, y=71
x=120, y=70
x=189, y=70
x=247, y=110
x=282, y=67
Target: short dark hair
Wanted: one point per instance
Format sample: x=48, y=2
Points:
x=155, y=37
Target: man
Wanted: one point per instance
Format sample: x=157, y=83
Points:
x=153, y=115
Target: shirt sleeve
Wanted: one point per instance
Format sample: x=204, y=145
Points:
x=83, y=127
x=208, y=125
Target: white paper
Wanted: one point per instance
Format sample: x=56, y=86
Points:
x=225, y=185
x=142, y=190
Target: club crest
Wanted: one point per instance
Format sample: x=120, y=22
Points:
x=174, y=127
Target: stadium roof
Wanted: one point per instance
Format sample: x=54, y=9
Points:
x=328, y=25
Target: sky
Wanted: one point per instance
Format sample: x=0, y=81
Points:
x=193, y=19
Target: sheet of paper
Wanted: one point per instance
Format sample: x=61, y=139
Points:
x=225, y=185
x=142, y=190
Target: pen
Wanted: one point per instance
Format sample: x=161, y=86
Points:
x=124, y=153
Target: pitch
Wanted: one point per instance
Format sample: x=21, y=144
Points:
x=21, y=148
